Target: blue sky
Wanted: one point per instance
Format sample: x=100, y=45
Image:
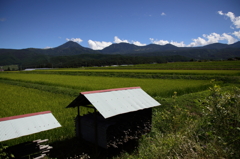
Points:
x=99, y=23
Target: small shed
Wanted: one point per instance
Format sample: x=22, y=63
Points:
x=120, y=115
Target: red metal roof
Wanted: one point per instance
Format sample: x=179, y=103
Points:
x=22, y=116
x=109, y=90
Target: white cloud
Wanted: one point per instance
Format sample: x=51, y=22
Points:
x=237, y=34
x=201, y=41
x=229, y=38
x=159, y=42
x=198, y=42
x=163, y=14
x=47, y=47
x=138, y=43
x=164, y=42
x=232, y=27
x=97, y=45
x=117, y=40
x=212, y=38
x=181, y=44
x=220, y=12
x=235, y=20
x=78, y=40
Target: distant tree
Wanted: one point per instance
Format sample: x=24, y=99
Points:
x=237, y=58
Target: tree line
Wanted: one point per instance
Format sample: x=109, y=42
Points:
x=87, y=60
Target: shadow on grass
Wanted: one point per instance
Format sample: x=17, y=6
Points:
x=76, y=148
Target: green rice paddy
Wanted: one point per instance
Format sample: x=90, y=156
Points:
x=155, y=87
x=36, y=91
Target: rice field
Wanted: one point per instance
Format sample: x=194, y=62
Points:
x=53, y=90
x=155, y=87
x=17, y=100
x=28, y=93
x=222, y=75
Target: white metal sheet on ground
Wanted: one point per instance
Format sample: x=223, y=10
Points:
x=119, y=101
x=22, y=125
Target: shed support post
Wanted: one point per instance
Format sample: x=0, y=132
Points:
x=96, y=130
x=79, y=133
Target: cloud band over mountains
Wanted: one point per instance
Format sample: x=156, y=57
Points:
x=199, y=41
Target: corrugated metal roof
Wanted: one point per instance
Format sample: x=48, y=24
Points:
x=112, y=102
x=22, y=125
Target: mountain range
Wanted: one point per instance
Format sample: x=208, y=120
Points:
x=70, y=50
x=123, y=48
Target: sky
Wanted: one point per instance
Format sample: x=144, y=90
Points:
x=97, y=24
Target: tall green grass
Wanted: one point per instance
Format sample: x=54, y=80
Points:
x=16, y=100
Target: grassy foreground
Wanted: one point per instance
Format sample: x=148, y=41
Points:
x=193, y=121
x=180, y=131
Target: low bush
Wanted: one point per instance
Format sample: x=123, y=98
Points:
x=221, y=124
x=180, y=133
